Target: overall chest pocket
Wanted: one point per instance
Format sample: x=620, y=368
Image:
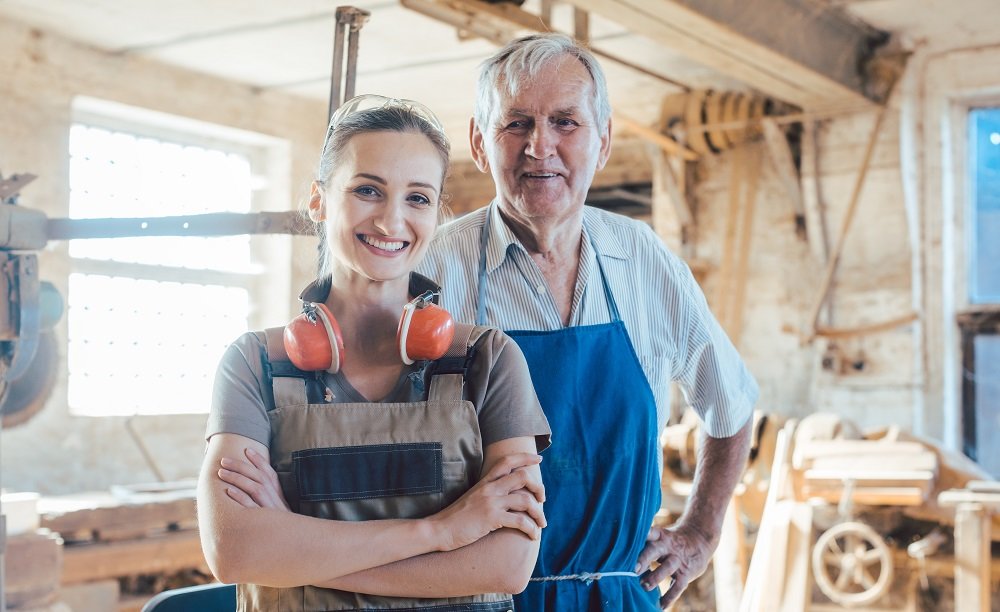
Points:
x=371, y=482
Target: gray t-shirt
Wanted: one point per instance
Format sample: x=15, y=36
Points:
x=498, y=384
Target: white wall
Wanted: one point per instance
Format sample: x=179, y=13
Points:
x=56, y=452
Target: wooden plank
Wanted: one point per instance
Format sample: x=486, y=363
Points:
x=668, y=144
x=862, y=477
x=864, y=464
x=741, y=274
x=97, y=512
x=869, y=496
x=165, y=553
x=788, y=175
x=795, y=589
x=817, y=67
x=31, y=568
x=957, y=497
x=972, y=558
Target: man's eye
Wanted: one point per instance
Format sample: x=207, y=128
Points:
x=517, y=125
x=566, y=123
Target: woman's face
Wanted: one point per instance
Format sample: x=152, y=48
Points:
x=381, y=204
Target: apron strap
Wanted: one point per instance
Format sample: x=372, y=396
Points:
x=448, y=373
x=278, y=385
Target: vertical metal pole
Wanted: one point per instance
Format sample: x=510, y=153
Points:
x=338, y=60
x=350, y=19
x=352, y=61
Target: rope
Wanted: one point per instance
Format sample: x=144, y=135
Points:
x=585, y=577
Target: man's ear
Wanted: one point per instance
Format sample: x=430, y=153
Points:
x=317, y=205
x=478, y=150
x=605, y=153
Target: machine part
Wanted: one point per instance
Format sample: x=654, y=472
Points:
x=923, y=548
x=852, y=565
x=25, y=288
x=23, y=398
x=22, y=228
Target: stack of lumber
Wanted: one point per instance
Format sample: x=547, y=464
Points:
x=33, y=556
x=125, y=532
x=879, y=472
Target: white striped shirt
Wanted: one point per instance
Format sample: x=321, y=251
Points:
x=674, y=334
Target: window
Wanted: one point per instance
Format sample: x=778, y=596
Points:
x=149, y=318
x=980, y=325
x=984, y=217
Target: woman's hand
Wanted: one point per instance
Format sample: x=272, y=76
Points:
x=509, y=495
x=253, y=483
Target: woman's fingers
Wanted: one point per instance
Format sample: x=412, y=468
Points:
x=241, y=498
x=510, y=463
x=522, y=522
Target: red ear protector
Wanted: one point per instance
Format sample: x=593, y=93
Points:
x=313, y=340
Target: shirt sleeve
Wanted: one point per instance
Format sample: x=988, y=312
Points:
x=237, y=403
x=713, y=377
x=500, y=387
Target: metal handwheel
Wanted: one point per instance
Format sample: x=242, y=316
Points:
x=852, y=564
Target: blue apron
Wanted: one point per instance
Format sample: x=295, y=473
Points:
x=602, y=484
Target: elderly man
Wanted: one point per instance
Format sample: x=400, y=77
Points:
x=607, y=318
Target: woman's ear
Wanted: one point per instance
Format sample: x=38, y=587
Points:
x=317, y=205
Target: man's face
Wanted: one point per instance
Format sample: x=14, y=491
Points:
x=544, y=145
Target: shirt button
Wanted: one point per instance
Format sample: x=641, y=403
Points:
x=540, y=289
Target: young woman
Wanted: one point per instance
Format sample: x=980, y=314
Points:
x=401, y=472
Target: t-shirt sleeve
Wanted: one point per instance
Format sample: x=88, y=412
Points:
x=237, y=403
x=501, y=389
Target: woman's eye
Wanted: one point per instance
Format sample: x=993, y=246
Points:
x=366, y=190
x=420, y=199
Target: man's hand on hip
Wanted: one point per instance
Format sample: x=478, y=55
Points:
x=682, y=554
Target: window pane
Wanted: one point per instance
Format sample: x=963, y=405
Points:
x=984, y=272
x=145, y=347
x=113, y=174
x=987, y=382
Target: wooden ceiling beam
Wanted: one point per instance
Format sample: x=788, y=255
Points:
x=804, y=53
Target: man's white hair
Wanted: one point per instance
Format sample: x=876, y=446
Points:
x=521, y=60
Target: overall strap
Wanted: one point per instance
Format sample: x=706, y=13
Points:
x=448, y=373
x=278, y=387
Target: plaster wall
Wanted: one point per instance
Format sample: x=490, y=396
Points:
x=57, y=452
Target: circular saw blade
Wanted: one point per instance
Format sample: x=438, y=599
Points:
x=23, y=398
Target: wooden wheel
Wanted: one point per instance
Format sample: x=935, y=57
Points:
x=852, y=564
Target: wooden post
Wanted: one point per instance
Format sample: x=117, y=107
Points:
x=972, y=558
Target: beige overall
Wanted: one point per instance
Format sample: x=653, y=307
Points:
x=366, y=461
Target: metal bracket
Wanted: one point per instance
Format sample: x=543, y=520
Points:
x=26, y=288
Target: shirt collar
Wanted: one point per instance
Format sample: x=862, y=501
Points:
x=501, y=238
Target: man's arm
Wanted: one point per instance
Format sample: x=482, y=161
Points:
x=684, y=549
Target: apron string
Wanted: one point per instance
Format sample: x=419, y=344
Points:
x=585, y=577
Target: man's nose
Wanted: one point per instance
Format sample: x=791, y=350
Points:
x=541, y=141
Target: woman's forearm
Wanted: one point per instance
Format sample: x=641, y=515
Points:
x=281, y=549
x=501, y=562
